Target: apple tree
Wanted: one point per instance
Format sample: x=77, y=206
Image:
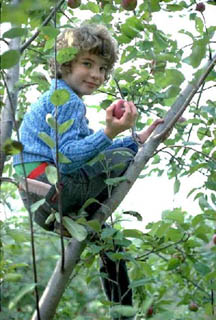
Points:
x=167, y=72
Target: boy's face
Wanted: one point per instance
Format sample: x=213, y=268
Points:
x=87, y=73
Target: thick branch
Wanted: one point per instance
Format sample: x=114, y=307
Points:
x=58, y=281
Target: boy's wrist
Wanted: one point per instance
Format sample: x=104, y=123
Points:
x=109, y=133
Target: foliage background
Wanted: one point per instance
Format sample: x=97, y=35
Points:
x=173, y=261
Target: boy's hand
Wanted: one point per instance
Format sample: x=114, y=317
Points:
x=115, y=126
x=143, y=135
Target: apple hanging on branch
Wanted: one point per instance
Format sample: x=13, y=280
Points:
x=119, y=109
x=193, y=306
x=149, y=312
x=129, y=4
x=200, y=7
x=73, y=4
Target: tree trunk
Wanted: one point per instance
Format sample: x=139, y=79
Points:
x=58, y=282
x=8, y=111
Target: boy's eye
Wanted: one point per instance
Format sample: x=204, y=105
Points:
x=87, y=64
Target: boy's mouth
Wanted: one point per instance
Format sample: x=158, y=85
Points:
x=91, y=84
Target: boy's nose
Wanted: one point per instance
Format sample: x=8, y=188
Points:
x=95, y=73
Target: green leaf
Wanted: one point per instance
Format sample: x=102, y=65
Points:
x=12, y=147
x=66, y=54
x=95, y=225
x=135, y=214
x=199, y=24
x=133, y=233
x=87, y=203
x=120, y=310
x=49, y=31
x=173, y=263
x=93, y=7
x=202, y=268
x=172, y=91
x=163, y=228
x=211, y=182
x=15, y=32
x=170, y=77
x=49, y=44
x=60, y=97
x=26, y=290
x=140, y=282
x=115, y=181
x=105, y=103
x=76, y=230
x=52, y=175
x=174, y=234
x=65, y=126
x=35, y=206
x=9, y=59
x=175, y=215
x=108, y=233
x=132, y=27
x=63, y=158
x=51, y=121
x=198, y=53
x=47, y=139
x=157, y=159
x=13, y=277
x=160, y=40
x=50, y=218
x=154, y=6
x=176, y=186
x=174, y=7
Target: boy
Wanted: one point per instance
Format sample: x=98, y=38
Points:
x=86, y=72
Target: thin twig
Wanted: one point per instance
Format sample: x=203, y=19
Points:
x=185, y=147
x=58, y=186
x=46, y=21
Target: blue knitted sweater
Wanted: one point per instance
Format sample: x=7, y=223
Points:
x=79, y=143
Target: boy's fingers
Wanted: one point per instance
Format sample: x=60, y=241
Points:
x=157, y=122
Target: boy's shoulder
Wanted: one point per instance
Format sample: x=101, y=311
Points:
x=61, y=84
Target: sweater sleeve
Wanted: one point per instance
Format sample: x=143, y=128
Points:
x=127, y=142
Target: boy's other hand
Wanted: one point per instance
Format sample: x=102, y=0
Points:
x=115, y=126
x=143, y=135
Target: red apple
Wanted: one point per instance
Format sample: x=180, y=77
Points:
x=200, y=7
x=214, y=238
x=119, y=109
x=181, y=119
x=149, y=312
x=129, y=4
x=193, y=307
x=74, y=3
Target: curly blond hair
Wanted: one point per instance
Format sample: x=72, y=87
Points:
x=92, y=38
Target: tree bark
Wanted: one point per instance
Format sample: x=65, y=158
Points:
x=9, y=109
x=58, y=282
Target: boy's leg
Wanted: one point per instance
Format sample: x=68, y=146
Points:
x=75, y=188
x=116, y=282
x=80, y=185
x=89, y=181
x=114, y=164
